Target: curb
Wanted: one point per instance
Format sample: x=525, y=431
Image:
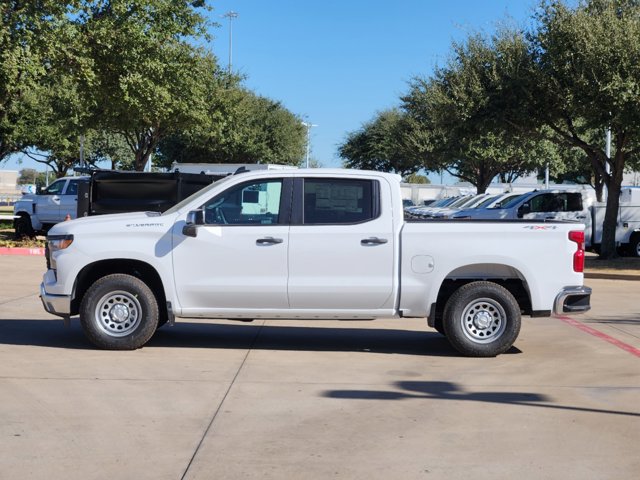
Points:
x=611, y=276
x=21, y=251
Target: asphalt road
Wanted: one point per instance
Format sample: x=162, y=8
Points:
x=315, y=400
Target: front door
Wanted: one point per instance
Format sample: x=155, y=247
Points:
x=238, y=260
x=48, y=202
x=69, y=201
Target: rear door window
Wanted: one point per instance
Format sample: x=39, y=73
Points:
x=329, y=201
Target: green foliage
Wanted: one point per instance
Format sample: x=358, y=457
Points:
x=587, y=79
x=460, y=112
x=241, y=128
x=30, y=42
x=416, y=178
x=385, y=144
x=149, y=81
x=124, y=76
x=32, y=176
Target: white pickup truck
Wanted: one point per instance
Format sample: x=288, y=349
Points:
x=37, y=212
x=310, y=244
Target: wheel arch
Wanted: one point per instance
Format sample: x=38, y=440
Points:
x=136, y=268
x=504, y=275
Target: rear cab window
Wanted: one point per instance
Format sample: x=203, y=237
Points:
x=557, y=202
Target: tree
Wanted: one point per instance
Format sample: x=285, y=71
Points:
x=586, y=78
x=241, y=127
x=416, y=178
x=464, y=132
x=29, y=34
x=27, y=176
x=384, y=144
x=149, y=81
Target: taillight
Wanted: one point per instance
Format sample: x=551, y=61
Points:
x=578, y=256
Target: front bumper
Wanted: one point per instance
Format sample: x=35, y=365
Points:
x=573, y=300
x=56, y=304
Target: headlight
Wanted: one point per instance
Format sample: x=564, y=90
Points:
x=56, y=243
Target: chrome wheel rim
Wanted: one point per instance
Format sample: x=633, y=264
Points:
x=118, y=313
x=483, y=320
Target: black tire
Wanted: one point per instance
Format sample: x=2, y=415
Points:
x=22, y=227
x=482, y=319
x=119, y=312
x=634, y=246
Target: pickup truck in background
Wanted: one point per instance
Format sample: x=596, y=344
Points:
x=37, y=212
x=310, y=244
x=579, y=206
x=537, y=205
x=627, y=226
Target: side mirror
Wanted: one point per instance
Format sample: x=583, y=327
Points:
x=523, y=210
x=194, y=218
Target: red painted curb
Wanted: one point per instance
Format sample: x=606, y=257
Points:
x=21, y=251
x=602, y=336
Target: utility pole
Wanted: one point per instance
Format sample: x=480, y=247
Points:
x=231, y=16
x=309, y=126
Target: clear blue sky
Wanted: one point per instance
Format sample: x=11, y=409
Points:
x=337, y=63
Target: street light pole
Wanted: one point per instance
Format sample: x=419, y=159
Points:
x=231, y=16
x=309, y=126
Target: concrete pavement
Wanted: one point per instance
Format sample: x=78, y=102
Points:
x=383, y=399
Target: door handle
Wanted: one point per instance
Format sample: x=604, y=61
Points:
x=268, y=241
x=373, y=241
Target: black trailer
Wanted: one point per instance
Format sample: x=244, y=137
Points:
x=114, y=191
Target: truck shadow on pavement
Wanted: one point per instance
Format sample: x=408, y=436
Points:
x=405, y=390
x=52, y=333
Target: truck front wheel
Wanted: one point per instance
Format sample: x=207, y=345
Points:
x=119, y=312
x=22, y=226
x=482, y=319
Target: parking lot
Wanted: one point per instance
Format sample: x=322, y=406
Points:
x=315, y=400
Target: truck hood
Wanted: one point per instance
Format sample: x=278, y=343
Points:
x=26, y=198
x=119, y=222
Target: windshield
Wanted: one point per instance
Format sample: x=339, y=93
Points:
x=508, y=202
x=486, y=201
x=444, y=202
x=187, y=200
x=459, y=202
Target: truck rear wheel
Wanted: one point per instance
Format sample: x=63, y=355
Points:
x=119, y=312
x=634, y=245
x=482, y=319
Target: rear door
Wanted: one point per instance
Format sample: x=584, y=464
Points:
x=341, y=245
